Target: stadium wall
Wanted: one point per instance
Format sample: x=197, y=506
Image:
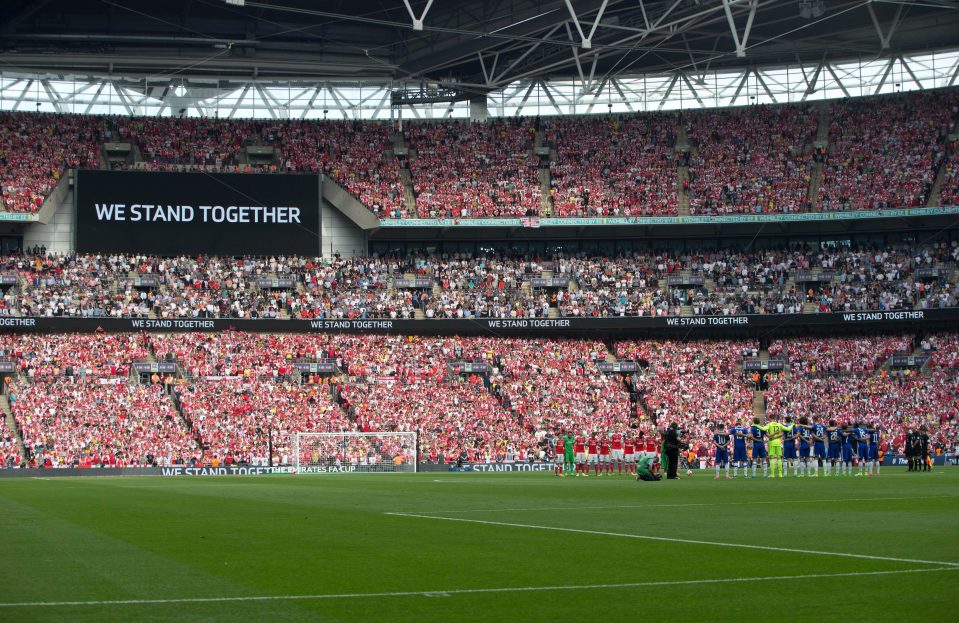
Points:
x=687, y=326
x=57, y=235
x=238, y=470
x=339, y=234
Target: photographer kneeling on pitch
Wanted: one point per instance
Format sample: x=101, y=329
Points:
x=644, y=469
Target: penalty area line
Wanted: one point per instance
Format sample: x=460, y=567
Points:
x=462, y=591
x=645, y=537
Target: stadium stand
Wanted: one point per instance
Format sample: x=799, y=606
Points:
x=751, y=160
x=614, y=165
x=233, y=391
x=35, y=149
x=474, y=170
x=882, y=152
x=90, y=424
x=467, y=286
x=9, y=448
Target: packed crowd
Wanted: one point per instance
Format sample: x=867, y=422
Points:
x=613, y=165
x=884, y=151
x=169, y=140
x=91, y=424
x=235, y=392
x=474, y=170
x=943, y=347
x=96, y=355
x=35, y=149
x=691, y=383
x=949, y=190
x=232, y=419
x=813, y=356
x=354, y=154
x=752, y=160
x=9, y=448
x=468, y=286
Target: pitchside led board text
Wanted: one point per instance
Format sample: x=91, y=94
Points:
x=149, y=213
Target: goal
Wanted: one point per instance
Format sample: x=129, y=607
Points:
x=325, y=453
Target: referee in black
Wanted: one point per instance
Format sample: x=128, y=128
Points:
x=912, y=449
x=924, y=448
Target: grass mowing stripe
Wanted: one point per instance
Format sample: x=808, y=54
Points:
x=590, y=508
x=465, y=591
x=677, y=540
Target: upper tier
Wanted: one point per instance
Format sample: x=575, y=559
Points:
x=871, y=153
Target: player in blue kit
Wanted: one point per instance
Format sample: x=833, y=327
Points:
x=834, y=435
x=790, y=437
x=805, y=437
x=739, y=433
x=721, y=441
x=862, y=446
x=847, y=437
x=819, y=448
x=758, y=436
x=874, y=436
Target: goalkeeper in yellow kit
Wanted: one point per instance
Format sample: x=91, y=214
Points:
x=774, y=431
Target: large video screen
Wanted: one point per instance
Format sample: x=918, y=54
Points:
x=193, y=213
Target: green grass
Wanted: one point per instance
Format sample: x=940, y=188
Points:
x=113, y=539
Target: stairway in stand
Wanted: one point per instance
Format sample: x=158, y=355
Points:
x=12, y=424
x=934, y=199
x=759, y=405
x=406, y=178
x=545, y=176
x=822, y=137
x=682, y=171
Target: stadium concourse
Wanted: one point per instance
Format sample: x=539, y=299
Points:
x=75, y=401
x=718, y=282
x=866, y=153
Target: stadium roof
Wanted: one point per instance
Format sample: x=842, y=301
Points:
x=480, y=45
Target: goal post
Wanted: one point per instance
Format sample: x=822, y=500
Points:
x=326, y=453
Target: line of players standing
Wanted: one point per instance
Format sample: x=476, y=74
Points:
x=807, y=446
x=603, y=454
x=917, y=450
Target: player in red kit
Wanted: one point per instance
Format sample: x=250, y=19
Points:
x=592, y=449
x=560, y=455
x=604, y=464
x=579, y=452
x=628, y=455
x=616, y=456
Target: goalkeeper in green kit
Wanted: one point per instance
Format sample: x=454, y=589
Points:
x=569, y=466
x=774, y=431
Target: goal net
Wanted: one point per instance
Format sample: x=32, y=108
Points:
x=324, y=453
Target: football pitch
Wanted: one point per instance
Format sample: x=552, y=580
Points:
x=465, y=547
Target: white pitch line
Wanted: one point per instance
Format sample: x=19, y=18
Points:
x=461, y=591
x=683, y=505
x=677, y=540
